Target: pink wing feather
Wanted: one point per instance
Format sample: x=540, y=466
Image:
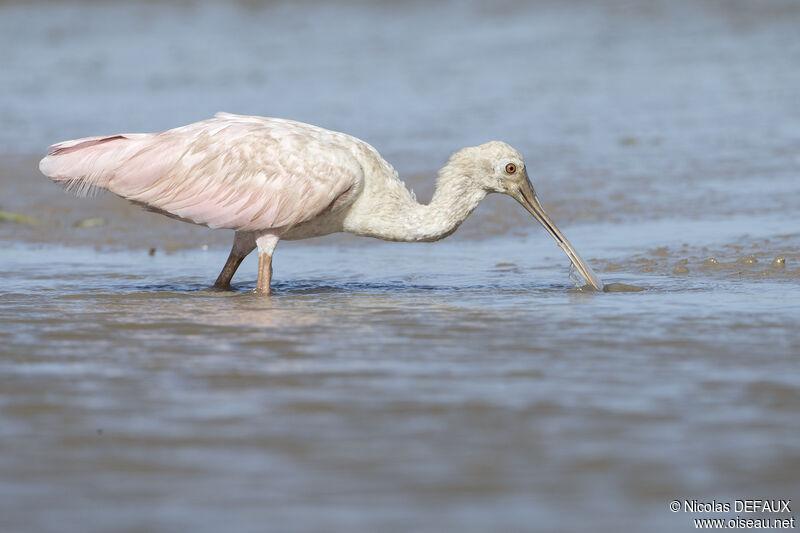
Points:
x=236, y=172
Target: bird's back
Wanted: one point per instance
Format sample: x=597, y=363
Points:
x=237, y=172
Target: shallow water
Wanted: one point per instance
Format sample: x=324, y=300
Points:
x=366, y=396
x=464, y=385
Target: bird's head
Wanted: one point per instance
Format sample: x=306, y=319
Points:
x=492, y=167
x=497, y=167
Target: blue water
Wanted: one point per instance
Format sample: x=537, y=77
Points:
x=464, y=385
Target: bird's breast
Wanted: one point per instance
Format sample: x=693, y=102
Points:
x=331, y=219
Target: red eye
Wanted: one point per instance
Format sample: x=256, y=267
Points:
x=511, y=168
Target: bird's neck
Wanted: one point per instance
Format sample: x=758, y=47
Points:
x=452, y=202
x=404, y=219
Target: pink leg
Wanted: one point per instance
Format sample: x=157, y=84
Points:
x=266, y=246
x=243, y=244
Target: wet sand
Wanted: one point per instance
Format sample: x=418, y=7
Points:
x=464, y=385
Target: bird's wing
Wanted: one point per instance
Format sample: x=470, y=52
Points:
x=242, y=173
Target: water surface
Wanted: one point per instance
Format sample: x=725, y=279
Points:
x=457, y=386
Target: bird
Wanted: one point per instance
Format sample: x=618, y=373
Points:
x=273, y=179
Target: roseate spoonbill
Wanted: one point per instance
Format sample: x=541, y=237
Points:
x=270, y=179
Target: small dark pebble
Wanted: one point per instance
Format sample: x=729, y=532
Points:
x=621, y=287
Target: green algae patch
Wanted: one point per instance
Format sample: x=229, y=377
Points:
x=17, y=218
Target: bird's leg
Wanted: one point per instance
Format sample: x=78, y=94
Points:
x=264, y=274
x=243, y=244
x=266, y=246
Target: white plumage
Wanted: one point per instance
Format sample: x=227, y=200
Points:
x=270, y=179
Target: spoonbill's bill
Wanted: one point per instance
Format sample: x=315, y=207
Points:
x=270, y=179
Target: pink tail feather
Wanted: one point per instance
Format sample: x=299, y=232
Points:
x=83, y=166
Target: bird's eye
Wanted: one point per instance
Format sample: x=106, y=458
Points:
x=511, y=168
